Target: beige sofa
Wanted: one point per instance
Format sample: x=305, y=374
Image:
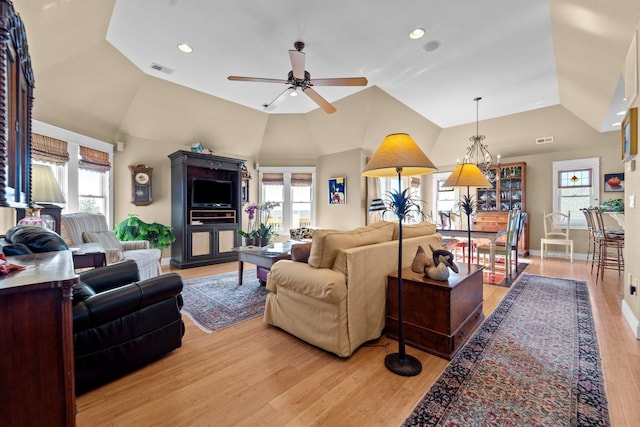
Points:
x=79, y=228
x=337, y=300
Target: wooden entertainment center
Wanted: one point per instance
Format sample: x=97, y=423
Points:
x=205, y=224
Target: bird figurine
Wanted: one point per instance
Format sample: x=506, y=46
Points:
x=447, y=258
x=437, y=267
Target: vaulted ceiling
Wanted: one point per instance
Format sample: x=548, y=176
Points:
x=93, y=64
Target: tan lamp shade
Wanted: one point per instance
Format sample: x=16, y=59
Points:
x=397, y=152
x=44, y=187
x=467, y=175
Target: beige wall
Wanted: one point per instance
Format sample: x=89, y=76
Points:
x=350, y=215
x=137, y=151
x=631, y=303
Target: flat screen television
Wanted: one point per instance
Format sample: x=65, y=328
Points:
x=211, y=193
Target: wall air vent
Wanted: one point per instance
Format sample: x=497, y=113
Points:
x=544, y=140
x=161, y=68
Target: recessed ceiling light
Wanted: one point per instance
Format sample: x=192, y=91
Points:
x=294, y=93
x=616, y=124
x=416, y=33
x=621, y=113
x=185, y=48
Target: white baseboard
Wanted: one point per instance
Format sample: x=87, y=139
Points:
x=631, y=319
x=576, y=256
x=165, y=261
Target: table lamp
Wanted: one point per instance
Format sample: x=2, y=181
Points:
x=399, y=155
x=467, y=175
x=44, y=190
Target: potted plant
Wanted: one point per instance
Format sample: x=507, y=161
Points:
x=133, y=228
x=259, y=233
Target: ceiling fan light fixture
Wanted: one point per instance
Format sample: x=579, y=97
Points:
x=416, y=33
x=184, y=47
x=294, y=93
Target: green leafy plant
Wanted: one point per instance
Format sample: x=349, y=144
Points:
x=133, y=228
x=265, y=231
x=467, y=205
x=404, y=205
x=612, y=205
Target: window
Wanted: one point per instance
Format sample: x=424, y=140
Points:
x=84, y=189
x=93, y=180
x=294, y=189
x=444, y=199
x=575, y=186
x=414, y=183
x=92, y=190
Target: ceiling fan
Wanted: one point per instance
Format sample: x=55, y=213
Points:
x=300, y=78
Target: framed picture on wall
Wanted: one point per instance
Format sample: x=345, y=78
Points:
x=613, y=182
x=629, y=135
x=337, y=191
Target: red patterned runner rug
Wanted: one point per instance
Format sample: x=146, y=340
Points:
x=534, y=362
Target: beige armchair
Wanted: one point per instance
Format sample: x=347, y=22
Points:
x=81, y=227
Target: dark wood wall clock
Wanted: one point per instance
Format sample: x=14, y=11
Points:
x=141, y=185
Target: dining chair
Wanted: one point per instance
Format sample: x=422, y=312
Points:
x=456, y=245
x=610, y=246
x=556, y=233
x=505, y=249
x=522, y=220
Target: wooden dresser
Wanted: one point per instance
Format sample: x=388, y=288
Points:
x=438, y=316
x=36, y=342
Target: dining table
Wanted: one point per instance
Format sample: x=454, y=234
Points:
x=492, y=236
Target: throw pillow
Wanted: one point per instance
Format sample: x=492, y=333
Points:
x=326, y=243
x=300, y=252
x=108, y=241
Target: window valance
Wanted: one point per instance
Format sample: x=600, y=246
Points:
x=273, y=179
x=49, y=150
x=94, y=160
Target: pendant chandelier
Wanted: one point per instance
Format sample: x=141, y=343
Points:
x=478, y=153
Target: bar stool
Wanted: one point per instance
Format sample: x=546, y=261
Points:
x=591, y=250
x=610, y=247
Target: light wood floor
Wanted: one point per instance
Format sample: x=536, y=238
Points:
x=253, y=374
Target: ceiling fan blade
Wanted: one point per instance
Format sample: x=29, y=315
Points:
x=255, y=79
x=278, y=99
x=297, y=63
x=344, y=81
x=322, y=103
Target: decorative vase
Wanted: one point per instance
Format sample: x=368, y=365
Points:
x=262, y=241
x=250, y=241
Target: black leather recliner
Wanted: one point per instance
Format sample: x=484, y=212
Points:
x=121, y=324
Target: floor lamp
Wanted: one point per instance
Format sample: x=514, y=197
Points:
x=399, y=155
x=467, y=175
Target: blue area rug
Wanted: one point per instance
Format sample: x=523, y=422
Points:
x=534, y=361
x=216, y=302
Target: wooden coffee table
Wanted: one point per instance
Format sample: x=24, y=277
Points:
x=262, y=257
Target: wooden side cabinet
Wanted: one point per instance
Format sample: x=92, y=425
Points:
x=36, y=361
x=438, y=316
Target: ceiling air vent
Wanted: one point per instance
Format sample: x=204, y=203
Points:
x=544, y=140
x=161, y=68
